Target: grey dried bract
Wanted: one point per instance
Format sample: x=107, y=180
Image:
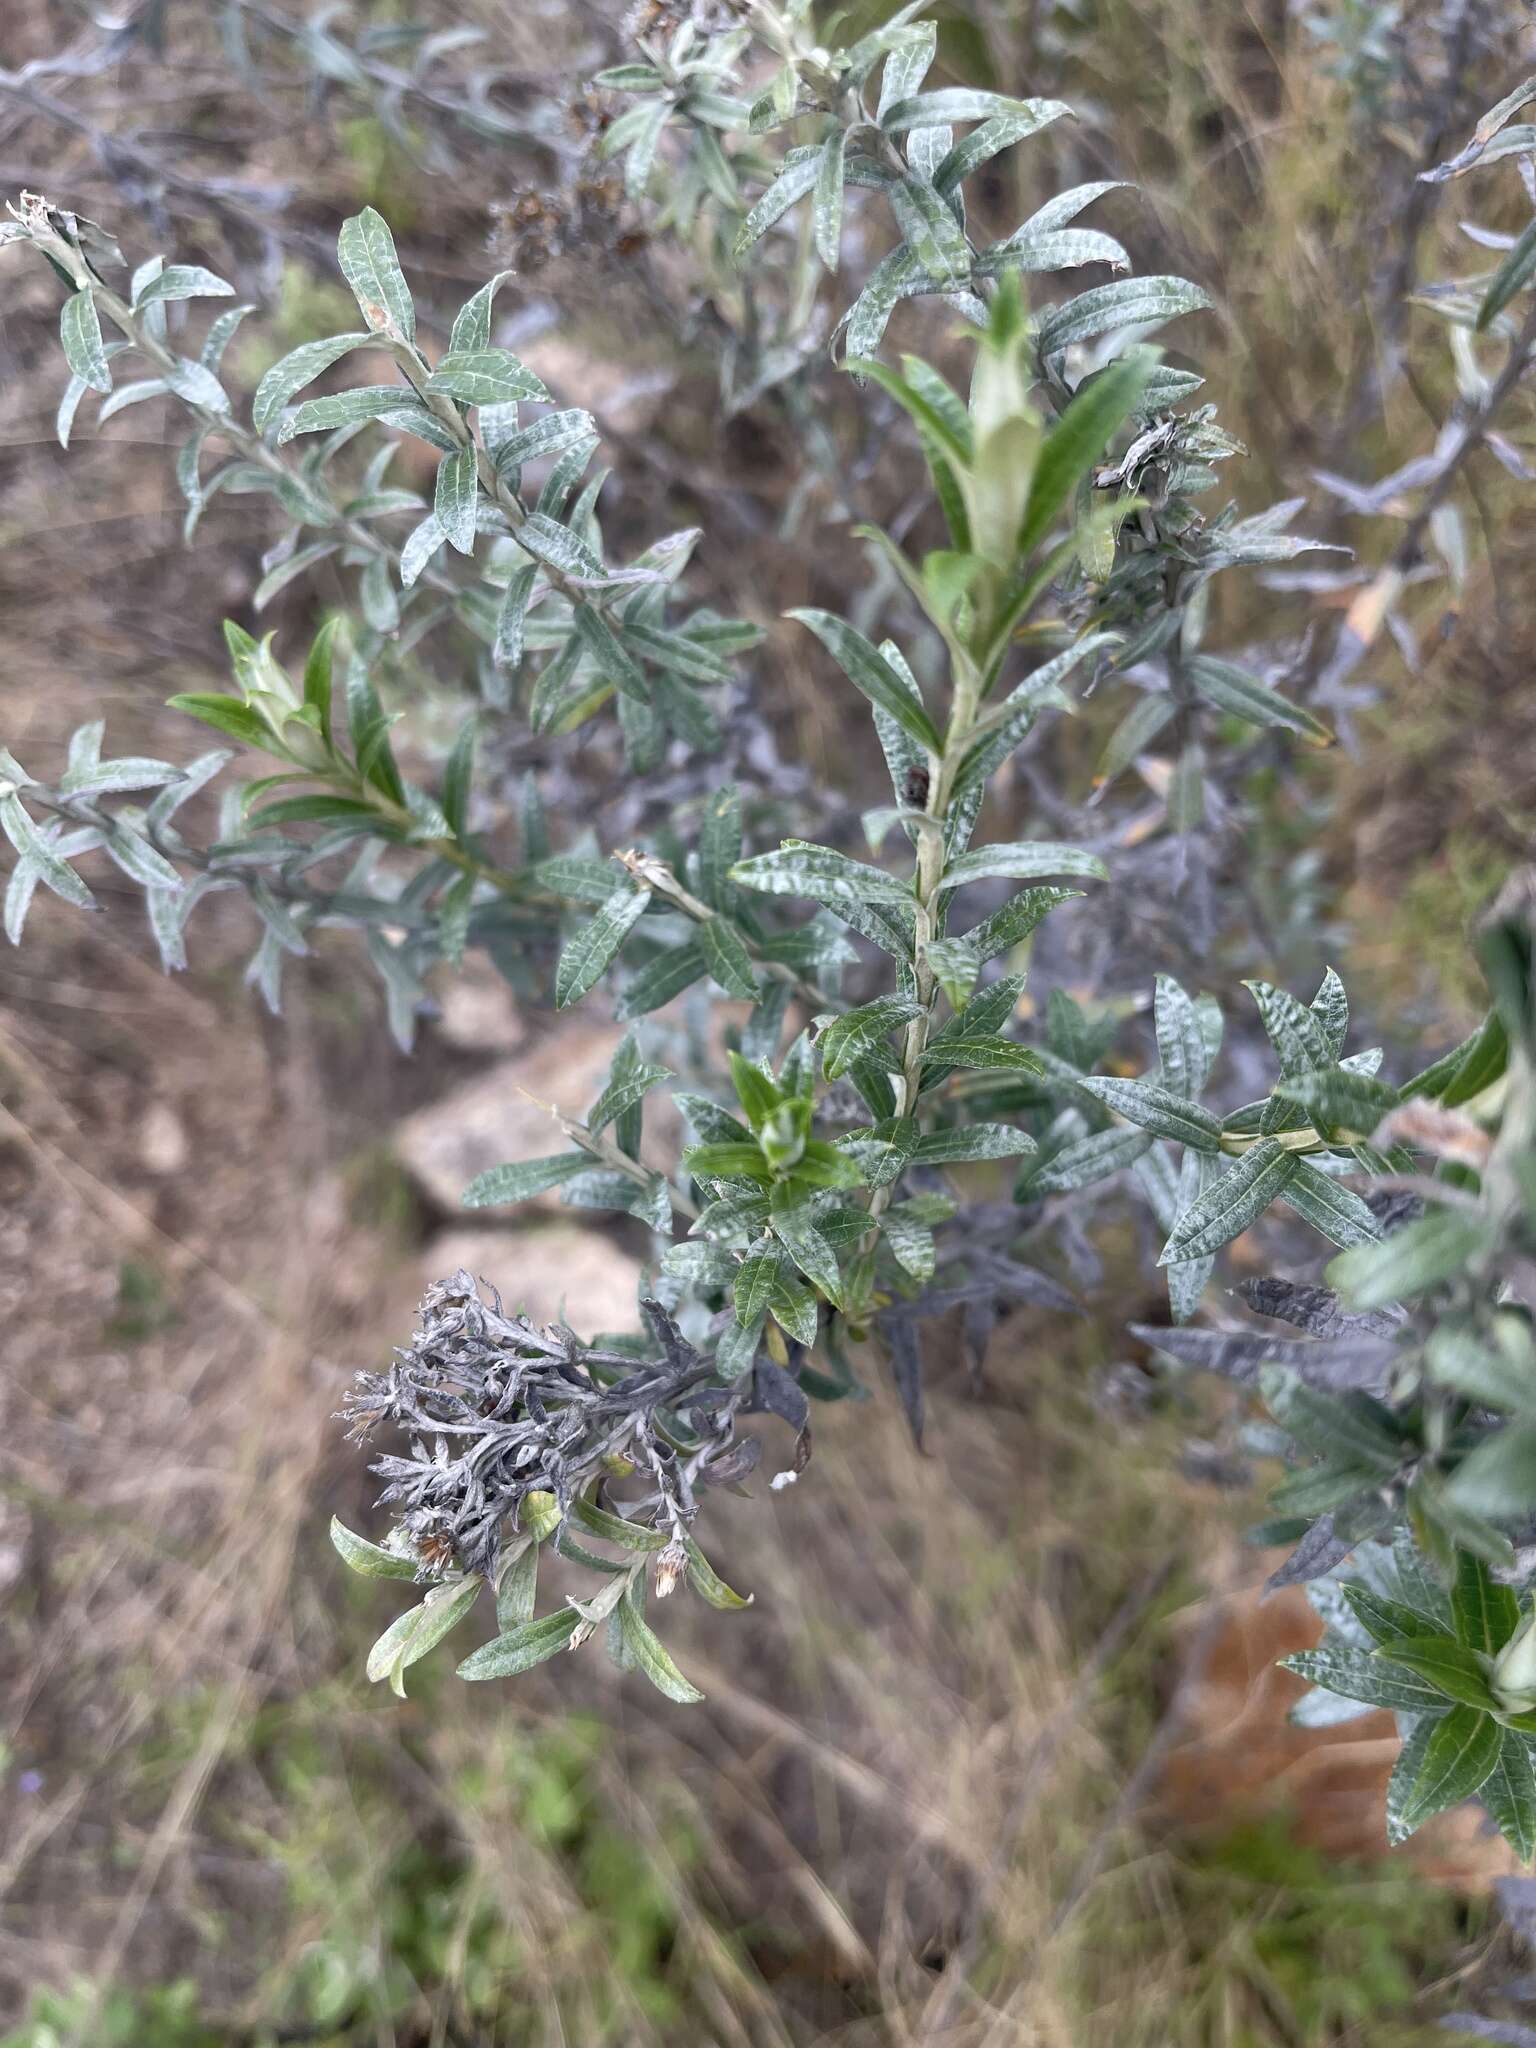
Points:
x=495, y=1409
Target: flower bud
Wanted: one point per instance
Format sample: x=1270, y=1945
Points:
x=1513, y=1679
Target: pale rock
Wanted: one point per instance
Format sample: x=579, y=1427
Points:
x=163, y=1146
x=549, y=1269
x=477, y=1011
x=497, y=1117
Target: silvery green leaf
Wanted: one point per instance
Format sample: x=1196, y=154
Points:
x=827, y=212
x=54, y=872
x=220, y=333
x=1181, y=1044
x=587, y=953
x=373, y=1561
x=961, y=103
x=1231, y=1204
x=971, y=1141
x=512, y=619
x=1017, y=918
x=377, y=597
x=1295, y=1032
x=551, y=434
x=896, y=276
x=1022, y=861
x=1158, y=1110
x=1234, y=690
x=1135, y=732
x=1330, y=1006
x=523, y=1179
x=365, y=250
x=644, y=1651
x=195, y=384
x=608, y=654
x=1131, y=302
x=1359, y=1675
x=1461, y=1752
x=1189, y=1278
x=341, y=409
x=130, y=394
x=1065, y=249
x=484, y=376
x=559, y=549
x=622, y=1093
x=798, y=868
x=1509, y=1793
x=1084, y=1161
x=521, y=1647
x=931, y=232
x=419, y=1630
x=727, y=958
x=455, y=498
x=279, y=577
x=791, y=185
x=288, y=376
x=80, y=333
x=858, y=1033
x=872, y=674
x=472, y=322
x=795, y=1226
x=996, y=134
x=183, y=281
x=421, y=544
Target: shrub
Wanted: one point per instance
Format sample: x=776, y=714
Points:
x=826, y=1210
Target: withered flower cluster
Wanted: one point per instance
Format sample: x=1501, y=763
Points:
x=495, y=1409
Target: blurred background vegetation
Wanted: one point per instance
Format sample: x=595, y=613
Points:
x=997, y=1757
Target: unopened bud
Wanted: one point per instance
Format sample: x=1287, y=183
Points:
x=671, y=1563
x=1513, y=1679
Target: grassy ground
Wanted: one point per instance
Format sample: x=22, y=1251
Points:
x=922, y=1803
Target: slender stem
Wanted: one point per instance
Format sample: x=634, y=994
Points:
x=656, y=876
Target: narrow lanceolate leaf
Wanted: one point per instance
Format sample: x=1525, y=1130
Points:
x=1342, y=1217
x=1510, y=279
x=365, y=249
x=1158, y=1110
x=827, y=212
x=1459, y=1757
x=1418, y=1256
x=484, y=376
x=730, y=964
x=1230, y=1205
x=972, y=1141
x=1486, y=1611
x=369, y=1558
x=756, y=1278
x=183, y=281
x=39, y=856
x=419, y=1630
x=798, y=868
x=1022, y=862
x=1358, y=1675
x=1181, y=1045
x=589, y=952
x=707, y=1582
x=1131, y=302
x=1335, y=1098
x=645, y=1652
x=342, y=409
x=521, y=1180
x=612, y=660
x=1509, y=1793
x=1088, y=1159
x=787, y=189
x=868, y=670
x=931, y=232
x=1295, y=1032
x=455, y=498
x=1234, y=690
x=859, y=1032
x=795, y=1227
x=1444, y=1663
x=1018, y=917
x=80, y=333
x=522, y=1647
x=288, y=376
x=1077, y=441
